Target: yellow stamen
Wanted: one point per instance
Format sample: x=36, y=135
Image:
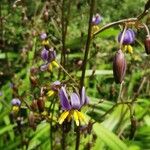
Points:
x=50, y=67
x=70, y=115
x=45, y=42
x=124, y=48
x=50, y=93
x=81, y=117
x=75, y=115
x=95, y=28
x=55, y=64
x=15, y=109
x=63, y=117
x=130, y=49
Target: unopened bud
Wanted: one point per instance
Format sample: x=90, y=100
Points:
x=147, y=45
x=32, y=120
x=34, y=105
x=41, y=104
x=119, y=66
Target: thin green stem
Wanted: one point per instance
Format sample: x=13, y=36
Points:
x=87, y=47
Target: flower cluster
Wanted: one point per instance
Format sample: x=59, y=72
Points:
x=119, y=62
x=47, y=54
x=71, y=106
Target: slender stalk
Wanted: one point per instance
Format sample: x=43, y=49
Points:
x=77, y=139
x=139, y=17
x=87, y=47
x=64, y=23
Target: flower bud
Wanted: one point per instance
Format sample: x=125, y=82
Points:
x=34, y=105
x=129, y=37
x=41, y=104
x=119, y=66
x=147, y=44
x=32, y=120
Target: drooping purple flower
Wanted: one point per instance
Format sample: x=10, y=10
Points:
x=48, y=55
x=96, y=19
x=43, y=36
x=16, y=101
x=75, y=102
x=45, y=54
x=129, y=37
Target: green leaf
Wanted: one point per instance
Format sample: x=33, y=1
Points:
x=109, y=138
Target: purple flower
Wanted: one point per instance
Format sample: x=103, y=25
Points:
x=76, y=101
x=129, y=37
x=43, y=36
x=96, y=19
x=44, y=54
x=16, y=101
x=48, y=55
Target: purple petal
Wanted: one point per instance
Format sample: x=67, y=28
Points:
x=87, y=100
x=64, y=99
x=129, y=37
x=44, y=67
x=52, y=55
x=75, y=101
x=43, y=36
x=83, y=96
x=16, y=101
x=44, y=54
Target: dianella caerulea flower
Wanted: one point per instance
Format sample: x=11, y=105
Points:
x=45, y=41
x=71, y=106
x=129, y=38
x=55, y=86
x=95, y=22
x=15, y=104
x=48, y=57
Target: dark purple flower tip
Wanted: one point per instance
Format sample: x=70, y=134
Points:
x=119, y=66
x=44, y=67
x=16, y=101
x=84, y=98
x=43, y=36
x=75, y=101
x=55, y=85
x=129, y=37
x=64, y=99
x=96, y=19
x=45, y=54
